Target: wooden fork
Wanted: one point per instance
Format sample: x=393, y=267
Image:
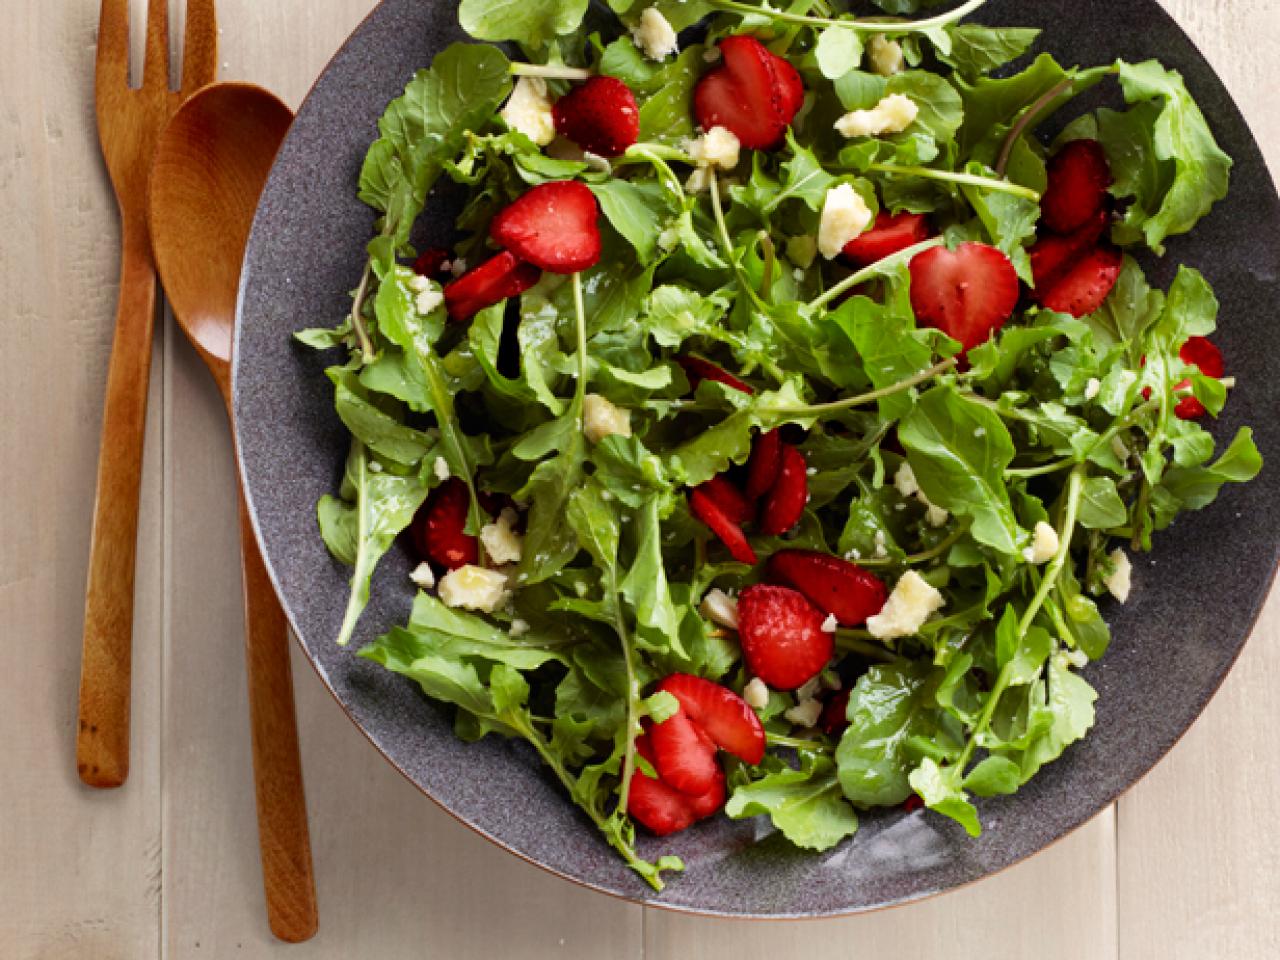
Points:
x=129, y=124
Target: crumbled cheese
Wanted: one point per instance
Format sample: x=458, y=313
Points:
x=654, y=35
x=473, y=588
x=853, y=554
x=518, y=628
x=441, y=468
x=375, y=466
x=805, y=714
x=1092, y=388
x=829, y=625
x=756, y=693
x=905, y=480
x=428, y=299
x=1044, y=544
x=1119, y=581
x=458, y=267
x=798, y=274
x=601, y=419
x=908, y=607
x=935, y=516
x=718, y=607
x=881, y=551
x=844, y=216
x=885, y=55
x=528, y=110
x=718, y=147
x=669, y=238
x=597, y=162
x=893, y=114
x=502, y=542
x=1077, y=658
x=423, y=576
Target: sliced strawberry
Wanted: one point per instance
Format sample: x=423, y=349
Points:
x=684, y=755
x=730, y=534
x=744, y=95
x=729, y=499
x=967, y=293
x=1204, y=354
x=786, y=500
x=782, y=638
x=912, y=803
x=600, y=116
x=1085, y=285
x=786, y=79
x=838, y=587
x=835, y=712
x=553, y=226
x=710, y=802
x=890, y=233
x=720, y=713
x=494, y=280
x=697, y=370
x=654, y=804
x=764, y=464
x=1054, y=254
x=439, y=528
x=430, y=262
x=1077, y=189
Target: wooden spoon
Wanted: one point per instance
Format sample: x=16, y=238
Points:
x=210, y=166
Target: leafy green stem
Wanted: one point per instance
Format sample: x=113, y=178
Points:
x=924, y=556
x=548, y=71
x=860, y=26
x=818, y=409
x=726, y=242
x=362, y=572
x=968, y=179
x=357, y=309
x=1043, y=470
x=878, y=268
x=795, y=743
x=580, y=330
x=657, y=155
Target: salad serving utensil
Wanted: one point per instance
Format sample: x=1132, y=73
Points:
x=129, y=124
x=210, y=165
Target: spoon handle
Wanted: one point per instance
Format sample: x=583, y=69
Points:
x=283, y=836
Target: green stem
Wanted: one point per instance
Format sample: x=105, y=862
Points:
x=580, y=326
x=633, y=694
x=549, y=71
x=357, y=308
x=795, y=743
x=968, y=179
x=924, y=556
x=818, y=409
x=1027, y=118
x=850, y=642
x=770, y=263
x=860, y=26
x=1064, y=464
x=878, y=268
x=722, y=229
x=657, y=155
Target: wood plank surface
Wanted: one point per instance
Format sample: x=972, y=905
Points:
x=167, y=867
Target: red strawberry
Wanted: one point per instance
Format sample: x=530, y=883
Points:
x=967, y=293
x=786, y=79
x=1204, y=354
x=786, y=500
x=684, y=755
x=747, y=94
x=729, y=499
x=835, y=713
x=553, y=226
x=431, y=261
x=782, y=637
x=1085, y=285
x=1077, y=190
x=836, y=586
x=496, y=279
x=764, y=464
x=697, y=370
x=912, y=803
x=730, y=534
x=720, y=713
x=710, y=802
x=891, y=233
x=663, y=809
x=1053, y=255
x=439, y=528
x=600, y=116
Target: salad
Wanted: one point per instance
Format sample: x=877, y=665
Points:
x=776, y=429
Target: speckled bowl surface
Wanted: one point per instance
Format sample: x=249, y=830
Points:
x=1194, y=602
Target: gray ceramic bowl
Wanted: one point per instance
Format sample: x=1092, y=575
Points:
x=1194, y=601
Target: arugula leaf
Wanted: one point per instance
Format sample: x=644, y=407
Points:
x=635, y=211
x=805, y=804
x=532, y=22
x=665, y=116
x=977, y=49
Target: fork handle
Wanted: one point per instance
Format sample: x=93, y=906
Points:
x=283, y=836
x=102, y=742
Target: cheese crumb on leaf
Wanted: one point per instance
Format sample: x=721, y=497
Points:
x=908, y=607
x=1120, y=580
x=502, y=543
x=893, y=114
x=528, y=110
x=845, y=215
x=601, y=419
x=885, y=55
x=1044, y=544
x=654, y=35
x=473, y=588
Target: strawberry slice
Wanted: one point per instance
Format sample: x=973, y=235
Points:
x=661, y=808
x=834, y=717
x=1053, y=254
x=1084, y=286
x=684, y=755
x=786, y=80
x=494, y=280
x=747, y=94
x=431, y=261
x=1204, y=354
x=720, y=713
x=890, y=233
x=697, y=370
x=600, y=116
x=836, y=586
x=782, y=638
x=438, y=529
x=786, y=500
x=710, y=802
x=729, y=499
x=1077, y=189
x=552, y=226
x=764, y=464
x=730, y=534
x=967, y=293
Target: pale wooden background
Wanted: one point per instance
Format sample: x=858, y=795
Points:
x=167, y=866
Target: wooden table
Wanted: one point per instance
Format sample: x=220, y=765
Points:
x=1184, y=866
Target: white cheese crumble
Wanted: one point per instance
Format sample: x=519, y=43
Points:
x=805, y=714
x=908, y=607
x=893, y=114
x=1044, y=544
x=528, y=110
x=1120, y=582
x=654, y=35
x=502, y=542
x=885, y=55
x=935, y=516
x=718, y=147
x=518, y=628
x=720, y=608
x=829, y=625
x=601, y=419
x=844, y=216
x=473, y=588
x=907, y=485
x=423, y=576
x=756, y=693
x=881, y=550
x=441, y=468
x=1092, y=388
x=427, y=300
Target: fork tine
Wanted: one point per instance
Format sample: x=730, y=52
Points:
x=155, y=69
x=113, y=44
x=200, y=48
